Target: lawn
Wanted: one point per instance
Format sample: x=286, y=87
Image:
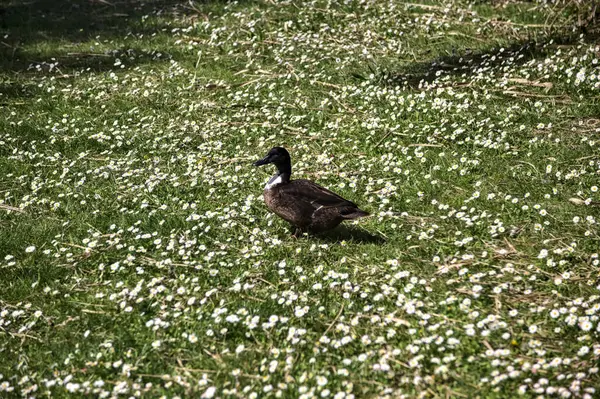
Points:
x=138, y=258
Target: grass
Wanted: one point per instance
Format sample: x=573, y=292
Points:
x=139, y=259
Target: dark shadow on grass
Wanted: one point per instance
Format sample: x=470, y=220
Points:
x=17, y=90
x=467, y=62
x=72, y=63
x=420, y=74
x=31, y=30
x=77, y=20
x=350, y=233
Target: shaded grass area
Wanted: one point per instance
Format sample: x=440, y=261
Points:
x=42, y=31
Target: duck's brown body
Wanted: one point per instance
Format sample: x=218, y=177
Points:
x=310, y=207
x=306, y=205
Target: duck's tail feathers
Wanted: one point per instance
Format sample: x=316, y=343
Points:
x=353, y=213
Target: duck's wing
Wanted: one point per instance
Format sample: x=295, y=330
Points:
x=311, y=193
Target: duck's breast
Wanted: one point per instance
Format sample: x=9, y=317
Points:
x=271, y=199
x=288, y=208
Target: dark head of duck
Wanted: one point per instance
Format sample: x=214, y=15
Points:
x=281, y=159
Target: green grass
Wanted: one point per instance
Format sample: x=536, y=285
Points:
x=139, y=259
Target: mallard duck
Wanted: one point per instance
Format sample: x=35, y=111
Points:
x=304, y=204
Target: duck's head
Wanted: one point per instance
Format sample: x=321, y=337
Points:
x=278, y=156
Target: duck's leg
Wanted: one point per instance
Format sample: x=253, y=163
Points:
x=297, y=231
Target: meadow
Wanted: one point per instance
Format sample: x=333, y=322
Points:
x=138, y=258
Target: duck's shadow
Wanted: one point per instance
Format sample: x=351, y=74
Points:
x=349, y=233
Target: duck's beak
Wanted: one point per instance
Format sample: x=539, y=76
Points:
x=263, y=161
